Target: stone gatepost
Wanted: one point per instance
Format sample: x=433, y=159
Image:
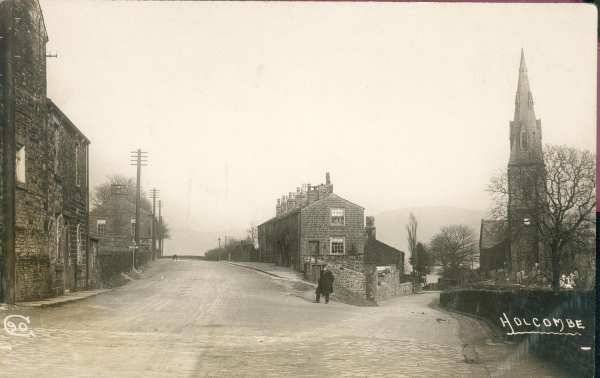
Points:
x=371, y=282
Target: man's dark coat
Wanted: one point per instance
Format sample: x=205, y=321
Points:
x=327, y=282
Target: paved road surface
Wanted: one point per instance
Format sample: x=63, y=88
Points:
x=209, y=319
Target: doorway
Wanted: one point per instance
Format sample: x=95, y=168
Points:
x=315, y=269
x=67, y=259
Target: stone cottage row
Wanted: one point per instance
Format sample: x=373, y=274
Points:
x=46, y=229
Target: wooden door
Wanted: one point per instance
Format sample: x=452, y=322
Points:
x=313, y=249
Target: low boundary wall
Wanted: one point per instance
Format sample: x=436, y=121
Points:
x=556, y=326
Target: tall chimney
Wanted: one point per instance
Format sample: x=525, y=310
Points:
x=370, y=228
x=283, y=204
x=291, y=201
x=328, y=183
x=278, y=207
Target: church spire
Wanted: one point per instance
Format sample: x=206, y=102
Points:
x=524, y=99
x=525, y=130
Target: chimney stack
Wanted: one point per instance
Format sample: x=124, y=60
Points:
x=283, y=204
x=119, y=192
x=311, y=193
x=278, y=207
x=328, y=183
x=291, y=201
x=370, y=228
x=301, y=195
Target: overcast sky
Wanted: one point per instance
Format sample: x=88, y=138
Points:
x=238, y=104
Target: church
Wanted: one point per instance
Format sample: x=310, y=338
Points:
x=514, y=244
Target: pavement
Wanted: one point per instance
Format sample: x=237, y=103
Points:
x=209, y=319
x=272, y=269
x=70, y=297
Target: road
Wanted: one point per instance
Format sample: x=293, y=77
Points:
x=210, y=319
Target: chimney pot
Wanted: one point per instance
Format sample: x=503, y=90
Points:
x=327, y=180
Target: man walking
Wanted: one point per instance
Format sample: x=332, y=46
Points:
x=327, y=284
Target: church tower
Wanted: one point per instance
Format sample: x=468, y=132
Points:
x=526, y=178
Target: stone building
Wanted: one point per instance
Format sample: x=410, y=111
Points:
x=493, y=246
x=526, y=179
x=113, y=225
x=379, y=253
x=51, y=196
x=312, y=222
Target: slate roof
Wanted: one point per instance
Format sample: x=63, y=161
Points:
x=374, y=245
x=490, y=235
x=298, y=209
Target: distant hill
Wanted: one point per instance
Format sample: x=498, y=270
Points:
x=390, y=229
x=391, y=225
x=191, y=242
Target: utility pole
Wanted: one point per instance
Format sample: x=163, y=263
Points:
x=141, y=159
x=160, y=225
x=154, y=197
x=7, y=54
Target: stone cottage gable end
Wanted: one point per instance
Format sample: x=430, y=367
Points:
x=316, y=225
x=117, y=213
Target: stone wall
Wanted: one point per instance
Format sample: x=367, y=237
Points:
x=386, y=284
x=67, y=202
x=30, y=95
x=112, y=262
x=349, y=274
x=502, y=307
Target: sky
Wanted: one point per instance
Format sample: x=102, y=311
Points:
x=237, y=104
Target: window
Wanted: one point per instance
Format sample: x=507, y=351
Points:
x=20, y=164
x=101, y=226
x=337, y=217
x=132, y=226
x=93, y=255
x=524, y=140
x=337, y=245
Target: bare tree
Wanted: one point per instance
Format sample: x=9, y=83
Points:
x=454, y=246
x=252, y=234
x=101, y=193
x=562, y=205
x=426, y=262
x=163, y=231
x=411, y=229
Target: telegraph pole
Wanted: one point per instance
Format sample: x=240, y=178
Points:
x=160, y=225
x=7, y=46
x=154, y=197
x=141, y=159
